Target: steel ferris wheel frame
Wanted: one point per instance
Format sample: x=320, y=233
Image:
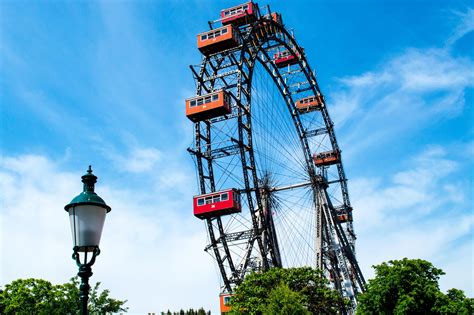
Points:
x=233, y=70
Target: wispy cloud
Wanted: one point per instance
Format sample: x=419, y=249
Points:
x=465, y=26
x=404, y=95
x=138, y=160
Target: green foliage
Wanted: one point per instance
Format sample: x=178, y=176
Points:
x=454, y=302
x=401, y=287
x=301, y=286
x=410, y=286
x=37, y=296
x=101, y=303
x=282, y=301
x=29, y=296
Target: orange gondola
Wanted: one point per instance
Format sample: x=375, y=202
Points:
x=308, y=104
x=199, y=108
x=327, y=158
x=224, y=300
x=217, y=40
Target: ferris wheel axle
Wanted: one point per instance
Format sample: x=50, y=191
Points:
x=289, y=187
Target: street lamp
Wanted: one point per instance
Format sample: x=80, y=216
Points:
x=87, y=215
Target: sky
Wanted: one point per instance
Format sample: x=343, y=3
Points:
x=104, y=83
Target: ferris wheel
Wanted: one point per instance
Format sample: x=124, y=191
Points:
x=272, y=187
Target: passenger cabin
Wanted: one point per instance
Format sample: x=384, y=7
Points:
x=327, y=158
x=309, y=104
x=266, y=28
x=344, y=217
x=208, y=106
x=225, y=302
x=276, y=17
x=344, y=214
x=217, y=40
x=240, y=15
x=285, y=58
x=217, y=204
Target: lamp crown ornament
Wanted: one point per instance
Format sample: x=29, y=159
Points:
x=89, y=181
x=88, y=196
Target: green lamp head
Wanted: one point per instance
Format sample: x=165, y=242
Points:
x=87, y=215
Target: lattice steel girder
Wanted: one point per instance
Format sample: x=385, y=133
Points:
x=316, y=132
x=232, y=238
x=291, y=72
x=300, y=90
x=221, y=75
x=222, y=118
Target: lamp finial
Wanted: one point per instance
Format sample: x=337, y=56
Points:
x=89, y=180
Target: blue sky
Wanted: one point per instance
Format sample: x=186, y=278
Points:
x=103, y=83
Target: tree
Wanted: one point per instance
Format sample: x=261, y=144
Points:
x=37, y=296
x=29, y=296
x=282, y=301
x=101, y=303
x=410, y=286
x=454, y=302
x=301, y=286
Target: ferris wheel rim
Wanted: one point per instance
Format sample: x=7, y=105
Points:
x=304, y=65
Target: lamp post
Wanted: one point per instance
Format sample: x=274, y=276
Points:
x=87, y=215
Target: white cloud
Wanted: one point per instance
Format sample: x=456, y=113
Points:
x=152, y=254
x=430, y=166
x=138, y=160
x=457, y=276
x=425, y=71
x=34, y=224
x=141, y=160
x=417, y=215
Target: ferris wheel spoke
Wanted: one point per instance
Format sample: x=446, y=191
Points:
x=294, y=235
x=273, y=132
x=271, y=165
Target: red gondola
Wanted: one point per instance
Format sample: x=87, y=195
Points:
x=308, y=104
x=240, y=15
x=285, y=58
x=208, y=106
x=217, y=204
x=327, y=158
x=217, y=40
